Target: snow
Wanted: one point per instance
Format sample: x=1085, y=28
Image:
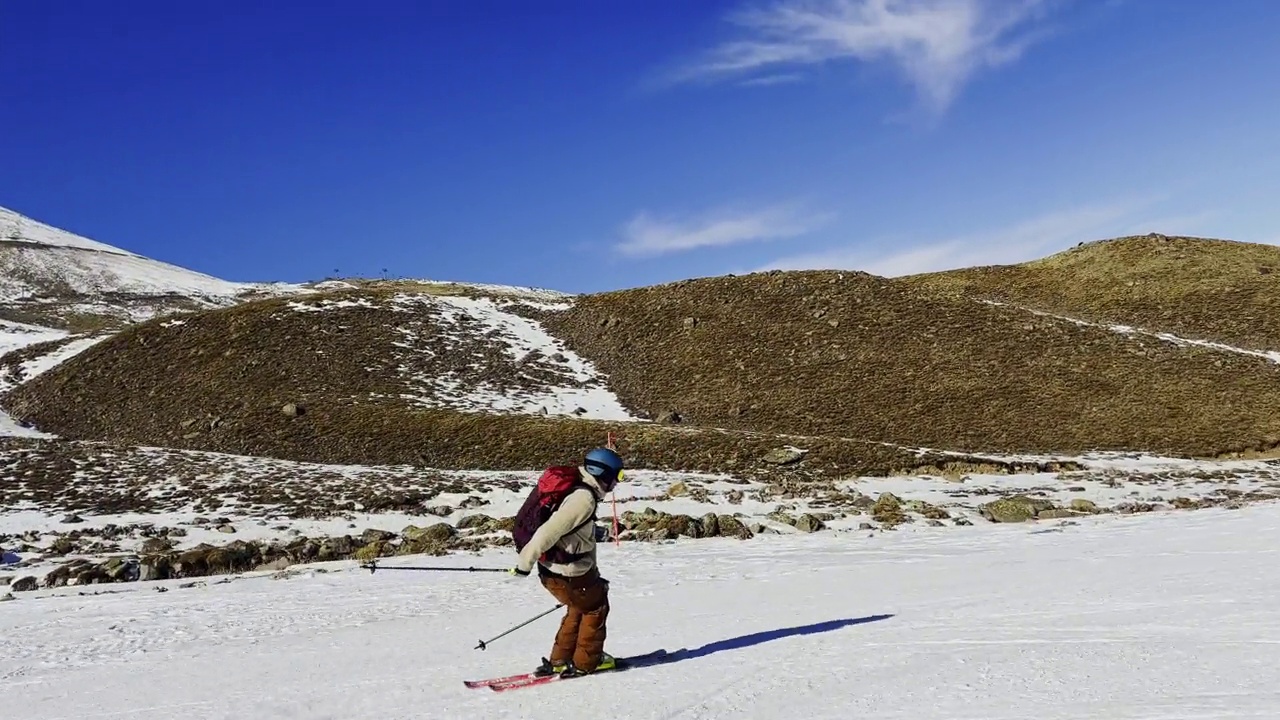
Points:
x=37, y=366
x=15, y=227
x=10, y=428
x=326, y=304
x=1139, y=618
x=584, y=392
x=36, y=256
x=15, y=336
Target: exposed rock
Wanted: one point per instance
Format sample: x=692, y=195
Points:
x=670, y=417
x=292, y=410
x=866, y=526
x=227, y=529
x=782, y=517
x=374, y=550
x=280, y=563
x=809, y=523
x=72, y=519
x=887, y=510
x=783, y=456
x=24, y=584
x=374, y=535
x=928, y=511
x=1084, y=506
x=423, y=545
x=1014, y=509
x=678, y=489
x=730, y=526
x=1056, y=513
x=1130, y=508
x=156, y=567
x=62, y=546
x=439, y=532
x=475, y=522
x=735, y=497
x=711, y=525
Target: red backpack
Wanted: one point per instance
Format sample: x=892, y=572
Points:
x=553, y=487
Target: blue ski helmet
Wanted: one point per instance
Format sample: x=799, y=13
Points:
x=604, y=465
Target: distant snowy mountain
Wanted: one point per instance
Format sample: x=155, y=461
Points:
x=52, y=277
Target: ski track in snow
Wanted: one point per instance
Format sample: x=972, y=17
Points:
x=1166, y=337
x=1139, y=618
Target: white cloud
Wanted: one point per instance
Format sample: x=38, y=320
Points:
x=1026, y=240
x=648, y=236
x=939, y=45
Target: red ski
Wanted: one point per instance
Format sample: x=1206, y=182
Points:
x=523, y=680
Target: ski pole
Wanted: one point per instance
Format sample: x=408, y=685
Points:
x=373, y=567
x=485, y=643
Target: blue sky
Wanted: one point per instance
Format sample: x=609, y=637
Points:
x=586, y=145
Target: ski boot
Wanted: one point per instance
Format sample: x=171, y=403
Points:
x=607, y=662
x=549, y=668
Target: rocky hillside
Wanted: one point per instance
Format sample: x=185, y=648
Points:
x=709, y=375
x=406, y=372
x=853, y=355
x=454, y=378
x=1196, y=288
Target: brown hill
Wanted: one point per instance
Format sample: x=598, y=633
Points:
x=1196, y=288
x=457, y=377
x=853, y=355
x=340, y=382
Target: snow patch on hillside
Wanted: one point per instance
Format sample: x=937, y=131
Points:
x=15, y=336
x=578, y=390
x=40, y=365
x=323, y=304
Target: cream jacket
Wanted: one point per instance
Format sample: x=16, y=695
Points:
x=558, y=531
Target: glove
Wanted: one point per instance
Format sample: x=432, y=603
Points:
x=518, y=572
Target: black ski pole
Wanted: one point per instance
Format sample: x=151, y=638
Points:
x=484, y=644
x=373, y=567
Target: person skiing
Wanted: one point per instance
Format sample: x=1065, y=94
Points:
x=555, y=530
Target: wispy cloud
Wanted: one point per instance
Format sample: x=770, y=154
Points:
x=938, y=45
x=1023, y=241
x=648, y=236
x=769, y=80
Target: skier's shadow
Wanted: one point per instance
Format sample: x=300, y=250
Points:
x=746, y=641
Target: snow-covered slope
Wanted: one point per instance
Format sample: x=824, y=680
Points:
x=40, y=260
x=1141, y=618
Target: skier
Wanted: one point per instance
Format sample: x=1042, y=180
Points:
x=555, y=529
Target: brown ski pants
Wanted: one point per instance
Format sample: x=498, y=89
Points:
x=580, y=639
